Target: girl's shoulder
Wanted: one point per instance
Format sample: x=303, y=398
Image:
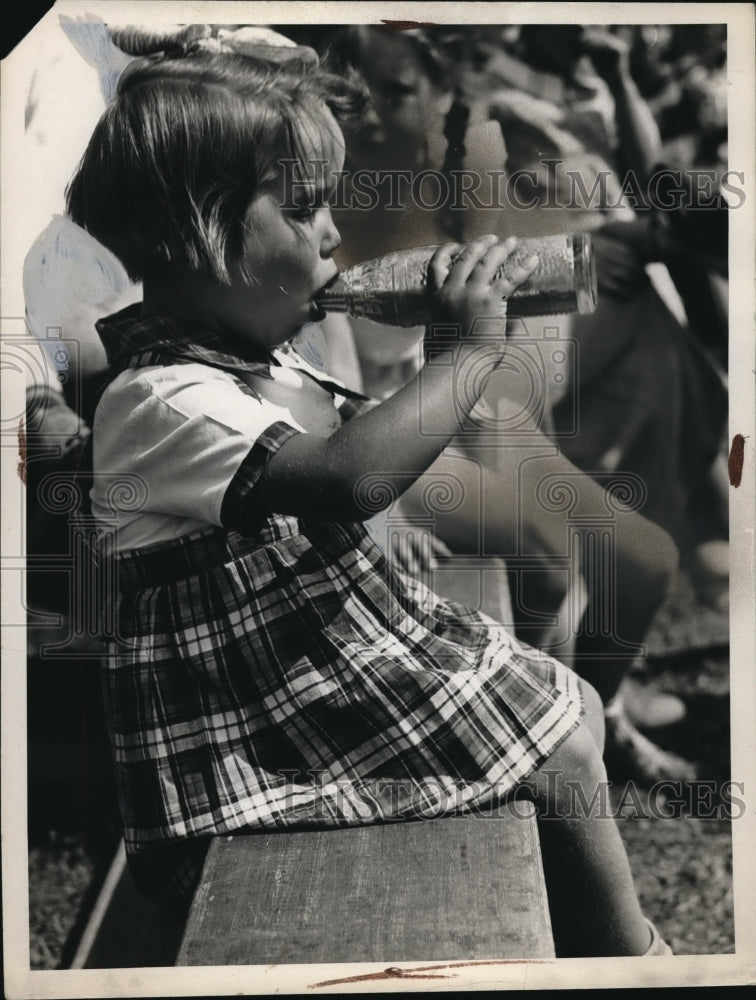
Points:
x=159, y=379
x=136, y=391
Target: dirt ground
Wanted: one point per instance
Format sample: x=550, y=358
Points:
x=680, y=850
x=683, y=866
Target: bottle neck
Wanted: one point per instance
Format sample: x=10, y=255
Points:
x=335, y=298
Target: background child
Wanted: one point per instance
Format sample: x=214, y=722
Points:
x=425, y=116
x=271, y=669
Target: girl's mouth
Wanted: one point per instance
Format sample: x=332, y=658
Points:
x=317, y=312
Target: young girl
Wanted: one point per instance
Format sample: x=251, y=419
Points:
x=270, y=669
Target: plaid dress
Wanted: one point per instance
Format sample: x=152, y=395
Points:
x=273, y=671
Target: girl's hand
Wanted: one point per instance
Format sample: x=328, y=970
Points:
x=465, y=285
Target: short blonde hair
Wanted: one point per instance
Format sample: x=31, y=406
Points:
x=177, y=157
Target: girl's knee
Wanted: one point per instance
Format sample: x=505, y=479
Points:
x=579, y=756
x=576, y=762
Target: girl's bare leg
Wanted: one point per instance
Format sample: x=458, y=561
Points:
x=594, y=906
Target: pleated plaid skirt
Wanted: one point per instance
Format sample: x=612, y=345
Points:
x=298, y=678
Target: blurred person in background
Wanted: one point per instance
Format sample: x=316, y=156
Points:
x=651, y=393
x=425, y=120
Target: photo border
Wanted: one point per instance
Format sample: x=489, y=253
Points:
x=730, y=969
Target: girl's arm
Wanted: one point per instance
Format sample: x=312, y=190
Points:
x=319, y=477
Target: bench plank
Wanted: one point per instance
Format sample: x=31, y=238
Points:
x=463, y=887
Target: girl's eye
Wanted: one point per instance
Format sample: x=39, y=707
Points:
x=305, y=213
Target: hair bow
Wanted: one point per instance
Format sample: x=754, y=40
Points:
x=259, y=43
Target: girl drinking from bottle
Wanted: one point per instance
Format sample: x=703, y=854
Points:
x=270, y=669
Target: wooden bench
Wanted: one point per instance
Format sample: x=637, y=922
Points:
x=463, y=887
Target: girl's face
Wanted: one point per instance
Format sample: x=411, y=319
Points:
x=407, y=109
x=290, y=239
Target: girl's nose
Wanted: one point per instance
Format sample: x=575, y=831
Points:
x=331, y=239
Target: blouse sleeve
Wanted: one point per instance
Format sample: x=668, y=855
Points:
x=349, y=408
x=196, y=439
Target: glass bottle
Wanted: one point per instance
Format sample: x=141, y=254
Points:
x=393, y=289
